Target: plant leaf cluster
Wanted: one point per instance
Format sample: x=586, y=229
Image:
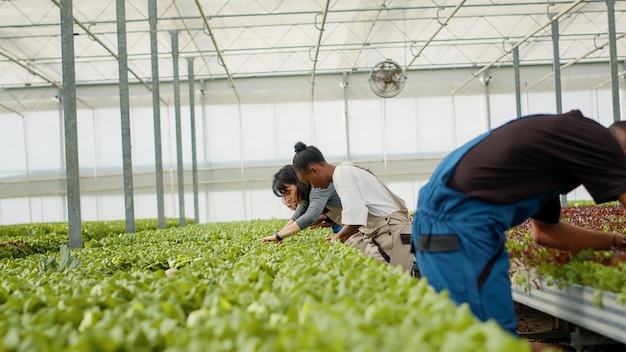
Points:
x=586, y=268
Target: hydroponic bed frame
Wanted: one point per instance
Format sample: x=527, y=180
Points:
x=595, y=311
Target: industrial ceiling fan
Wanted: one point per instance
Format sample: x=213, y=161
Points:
x=387, y=79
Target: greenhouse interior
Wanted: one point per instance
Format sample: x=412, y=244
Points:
x=139, y=140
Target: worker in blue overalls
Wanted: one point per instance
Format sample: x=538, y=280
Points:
x=497, y=181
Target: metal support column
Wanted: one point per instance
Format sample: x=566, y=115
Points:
x=179, y=135
x=610, y=9
x=518, y=89
x=156, y=110
x=346, y=120
x=557, y=66
x=556, y=54
x=71, y=132
x=485, y=79
x=127, y=161
x=194, y=159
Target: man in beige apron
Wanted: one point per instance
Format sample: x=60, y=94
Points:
x=373, y=217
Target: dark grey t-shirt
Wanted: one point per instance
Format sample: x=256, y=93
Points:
x=309, y=211
x=542, y=154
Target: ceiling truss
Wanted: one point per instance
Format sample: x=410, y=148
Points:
x=231, y=39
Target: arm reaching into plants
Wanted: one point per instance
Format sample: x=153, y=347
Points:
x=289, y=229
x=345, y=233
x=573, y=238
x=570, y=237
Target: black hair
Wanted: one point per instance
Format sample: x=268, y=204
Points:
x=287, y=176
x=306, y=155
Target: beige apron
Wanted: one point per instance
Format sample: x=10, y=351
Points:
x=356, y=240
x=388, y=239
x=334, y=213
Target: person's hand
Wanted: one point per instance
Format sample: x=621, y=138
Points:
x=618, y=257
x=322, y=224
x=271, y=238
x=333, y=238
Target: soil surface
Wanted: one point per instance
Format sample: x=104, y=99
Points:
x=547, y=333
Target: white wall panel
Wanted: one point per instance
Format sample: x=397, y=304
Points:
x=603, y=108
x=90, y=208
x=113, y=206
x=293, y=122
x=580, y=100
x=467, y=118
x=263, y=204
x=109, y=151
x=502, y=109
x=44, y=133
x=401, y=126
x=434, y=125
x=228, y=206
x=16, y=211
x=142, y=137
x=258, y=138
x=330, y=131
x=222, y=133
x=51, y=208
x=540, y=103
x=88, y=140
x=13, y=145
x=366, y=127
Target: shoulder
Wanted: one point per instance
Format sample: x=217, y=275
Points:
x=346, y=165
x=318, y=192
x=346, y=170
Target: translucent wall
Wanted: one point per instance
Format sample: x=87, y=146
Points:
x=242, y=143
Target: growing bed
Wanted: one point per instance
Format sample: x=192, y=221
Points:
x=586, y=289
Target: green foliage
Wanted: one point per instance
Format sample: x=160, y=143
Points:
x=22, y=240
x=230, y=293
x=586, y=268
x=65, y=263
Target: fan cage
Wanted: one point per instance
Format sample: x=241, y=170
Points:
x=387, y=79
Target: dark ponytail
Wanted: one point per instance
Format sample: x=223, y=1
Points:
x=306, y=155
x=299, y=147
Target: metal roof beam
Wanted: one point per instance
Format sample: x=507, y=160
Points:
x=317, y=47
x=526, y=38
x=576, y=60
x=93, y=36
x=432, y=37
x=229, y=77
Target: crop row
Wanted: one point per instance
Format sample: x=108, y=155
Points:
x=228, y=293
x=26, y=239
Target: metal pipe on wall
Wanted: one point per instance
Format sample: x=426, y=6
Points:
x=156, y=111
x=485, y=79
x=194, y=159
x=127, y=162
x=346, y=120
x=179, y=135
x=518, y=89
